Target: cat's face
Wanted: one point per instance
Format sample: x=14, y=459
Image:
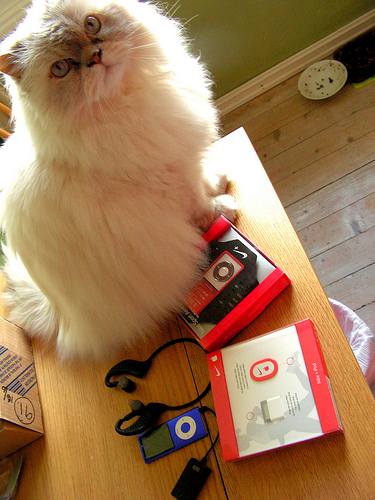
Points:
x=68, y=54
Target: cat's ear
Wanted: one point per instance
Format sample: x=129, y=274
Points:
x=9, y=67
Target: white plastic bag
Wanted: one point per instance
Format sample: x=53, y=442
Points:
x=360, y=338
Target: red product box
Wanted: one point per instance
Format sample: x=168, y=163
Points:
x=272, y=391
x=238, y=285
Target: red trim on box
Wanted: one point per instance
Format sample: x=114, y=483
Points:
x=246, y=311
x=218, y=228
x=283, y=446
x=228, y=439
x=317, y=373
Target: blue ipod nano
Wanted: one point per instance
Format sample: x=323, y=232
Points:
x=172, y=435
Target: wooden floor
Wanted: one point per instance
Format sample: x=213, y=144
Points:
x=320, y=156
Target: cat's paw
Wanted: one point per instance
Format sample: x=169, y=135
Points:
x=226, y=205
x=218, y=184
x=223, y=204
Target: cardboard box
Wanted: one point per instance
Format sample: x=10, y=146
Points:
x=239, y=284
x=272, y=391
x=20, y=413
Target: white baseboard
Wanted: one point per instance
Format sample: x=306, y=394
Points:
x=294, y=64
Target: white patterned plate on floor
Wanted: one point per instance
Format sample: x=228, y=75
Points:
x=322, y=79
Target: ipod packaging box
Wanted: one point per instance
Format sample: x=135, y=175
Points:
x=272, y=391
x=238, y=285
x=20, y=413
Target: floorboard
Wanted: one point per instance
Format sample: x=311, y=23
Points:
x=322, y=144
x=355, y=290
x=255, y=108
x=326, y=170
x=300, y=130
x=339, y=226
x=333, y=197
x=345, y=258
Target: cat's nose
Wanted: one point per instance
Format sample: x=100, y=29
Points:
x=93, y=56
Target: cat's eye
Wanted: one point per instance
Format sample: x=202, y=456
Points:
x=60, y=68
x=92, y=25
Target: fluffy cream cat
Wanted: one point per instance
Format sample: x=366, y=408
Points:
x=104, y=189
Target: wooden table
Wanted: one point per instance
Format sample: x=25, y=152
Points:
x=81, y=457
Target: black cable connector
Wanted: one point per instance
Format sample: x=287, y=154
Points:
x=196, y=472
x=191, y=481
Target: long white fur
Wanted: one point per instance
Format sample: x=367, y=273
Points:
x=103, y=183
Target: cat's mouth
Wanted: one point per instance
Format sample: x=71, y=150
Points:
x=96, y=58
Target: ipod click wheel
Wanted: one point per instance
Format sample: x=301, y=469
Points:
x=172, y=435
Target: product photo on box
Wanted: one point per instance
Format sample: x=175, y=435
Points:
x=238, y=285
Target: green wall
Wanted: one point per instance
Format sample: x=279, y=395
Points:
x=239, y=39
